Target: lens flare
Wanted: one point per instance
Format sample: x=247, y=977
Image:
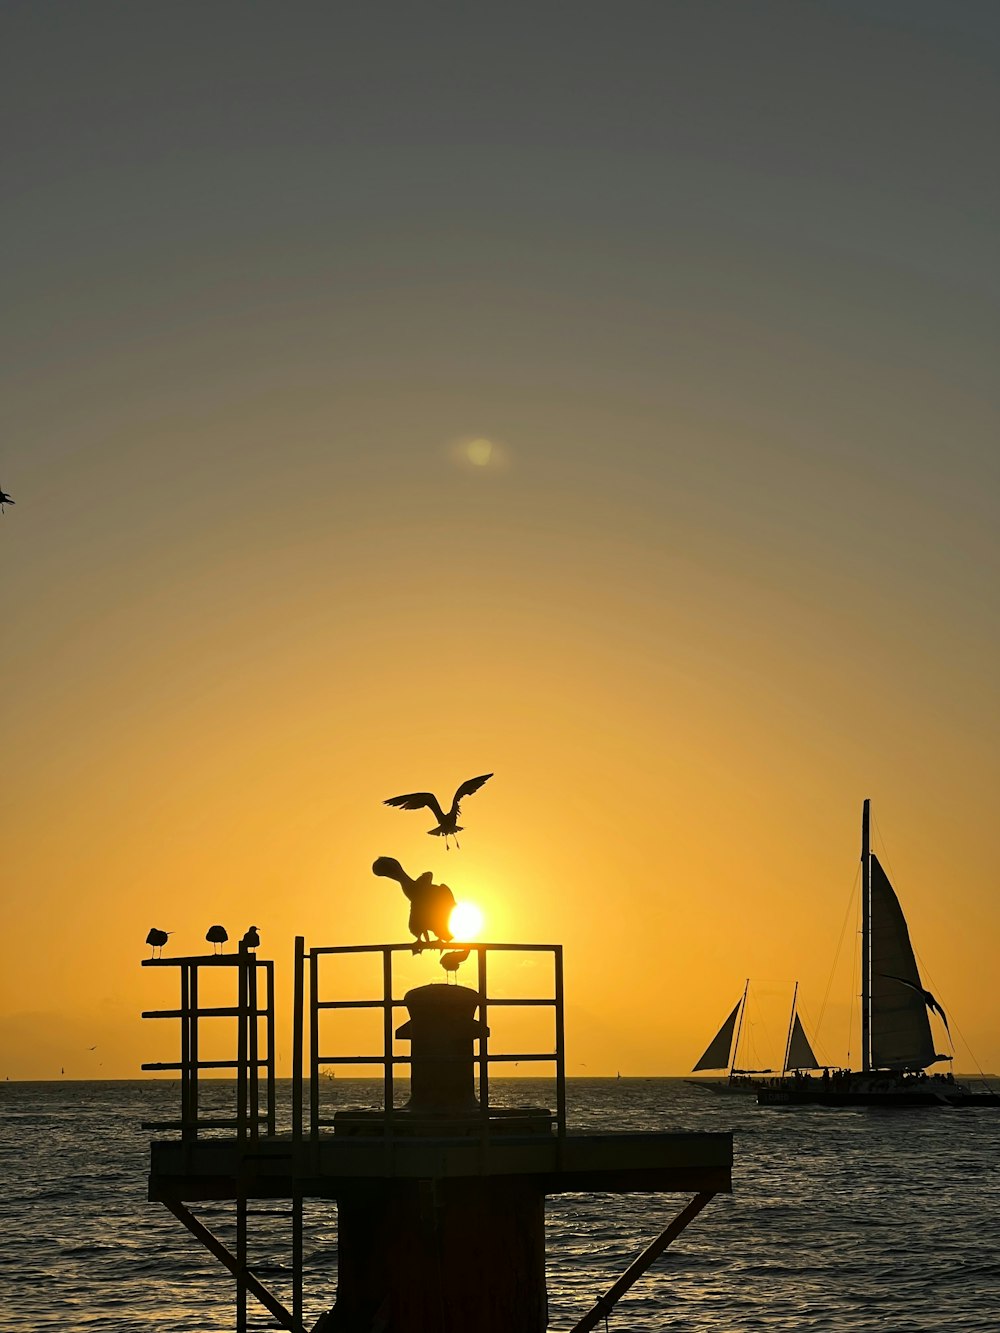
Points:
x=466, y=921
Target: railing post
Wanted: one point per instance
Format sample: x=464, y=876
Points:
x=298, y=998
x=314, y=1046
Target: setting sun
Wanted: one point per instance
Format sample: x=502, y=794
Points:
x=466, y=921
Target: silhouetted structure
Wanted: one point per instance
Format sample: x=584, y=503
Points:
x=4, y=500
x=157, y=939
x=431, y=905
x=447, y=824
x=441, y=1201
x=251, y=940
x=217, y=935
x=451, y=962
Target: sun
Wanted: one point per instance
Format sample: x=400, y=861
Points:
x=466, y=921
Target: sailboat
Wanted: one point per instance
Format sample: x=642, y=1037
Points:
x=897, y=1046
x=722, y=1050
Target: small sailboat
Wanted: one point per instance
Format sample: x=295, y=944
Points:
x=723, y=1050
x=897, y=1045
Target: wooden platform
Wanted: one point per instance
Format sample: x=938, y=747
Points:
x=280, y=1166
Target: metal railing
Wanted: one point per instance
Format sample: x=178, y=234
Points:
x=485, y=1058
x=249, y=1115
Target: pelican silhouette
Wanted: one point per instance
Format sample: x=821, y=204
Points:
x=4, y=499
x=447, y=824
x=928, y=998
x=216, y=935
x=451, y=962
x=430, y=904
x=157, y=939
x=251, y=940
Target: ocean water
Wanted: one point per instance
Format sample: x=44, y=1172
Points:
x=859, y=1219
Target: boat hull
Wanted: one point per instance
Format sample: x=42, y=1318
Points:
x=725, y=1087
x=874, y=1092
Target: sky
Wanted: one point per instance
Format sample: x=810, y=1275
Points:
x=599, y=396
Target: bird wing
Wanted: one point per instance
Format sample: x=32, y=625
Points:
x=416, y=800
x=467, y=788
x=929, y=999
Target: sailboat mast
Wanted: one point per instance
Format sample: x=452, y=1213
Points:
x=788, y=1040
x=866, y=936
x=739, y=1029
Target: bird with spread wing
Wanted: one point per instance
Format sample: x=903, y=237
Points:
x=447, y=823
x=927, y=997
x=431, y=905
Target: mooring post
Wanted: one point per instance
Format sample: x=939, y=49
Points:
x=439, y=1255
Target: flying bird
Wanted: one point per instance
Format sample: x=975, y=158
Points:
x=157, y=939
x=216, y=935
x=447, y=824
x=4, y=499
x=251, y=940
x=430, y=904
x=928, y=998
x=451, y=962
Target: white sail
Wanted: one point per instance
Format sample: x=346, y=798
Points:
x=717, y=1054
x=800, y=1053
x=900, y=1030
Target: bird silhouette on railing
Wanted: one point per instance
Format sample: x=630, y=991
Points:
x=217, y=935
x=447, y=824
x=157, y=939
x=4, y=499
x=251, y=940
x=431, y=905
x=451, y=962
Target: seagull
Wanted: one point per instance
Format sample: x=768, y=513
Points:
x=4, y=500
x=158, y=938
x=447, y=824
x=430, y=904
x=451, y=962
x=251, y=940
x=928, y=998
x=216, y=935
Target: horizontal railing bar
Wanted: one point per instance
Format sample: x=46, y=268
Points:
x=401, y=1004
x=201, y=1064
x=229, y=1011
x=440, y=946
x=500, y=1058
x=199, y=1124
x=362, y=1060
x=209, y=960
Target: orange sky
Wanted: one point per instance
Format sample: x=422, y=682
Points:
x=719, y=297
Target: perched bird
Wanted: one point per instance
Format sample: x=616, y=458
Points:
x=447, y=824
x=451, y=962
x=157, y=939
x=216, y=935
x=430, y=904
x=251, y=940
x=928, y=998
x=4, y=499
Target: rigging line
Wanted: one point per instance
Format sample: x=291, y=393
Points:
x=855, y=998
x=952, y=1021
x=840, y=945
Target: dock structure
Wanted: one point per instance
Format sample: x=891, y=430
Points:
x=439, y=1200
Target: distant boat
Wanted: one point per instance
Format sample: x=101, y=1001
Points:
x=722, y=1053
x=897, y=1046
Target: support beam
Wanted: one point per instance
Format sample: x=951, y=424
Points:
x=635, y=1270
x=215, y=1246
